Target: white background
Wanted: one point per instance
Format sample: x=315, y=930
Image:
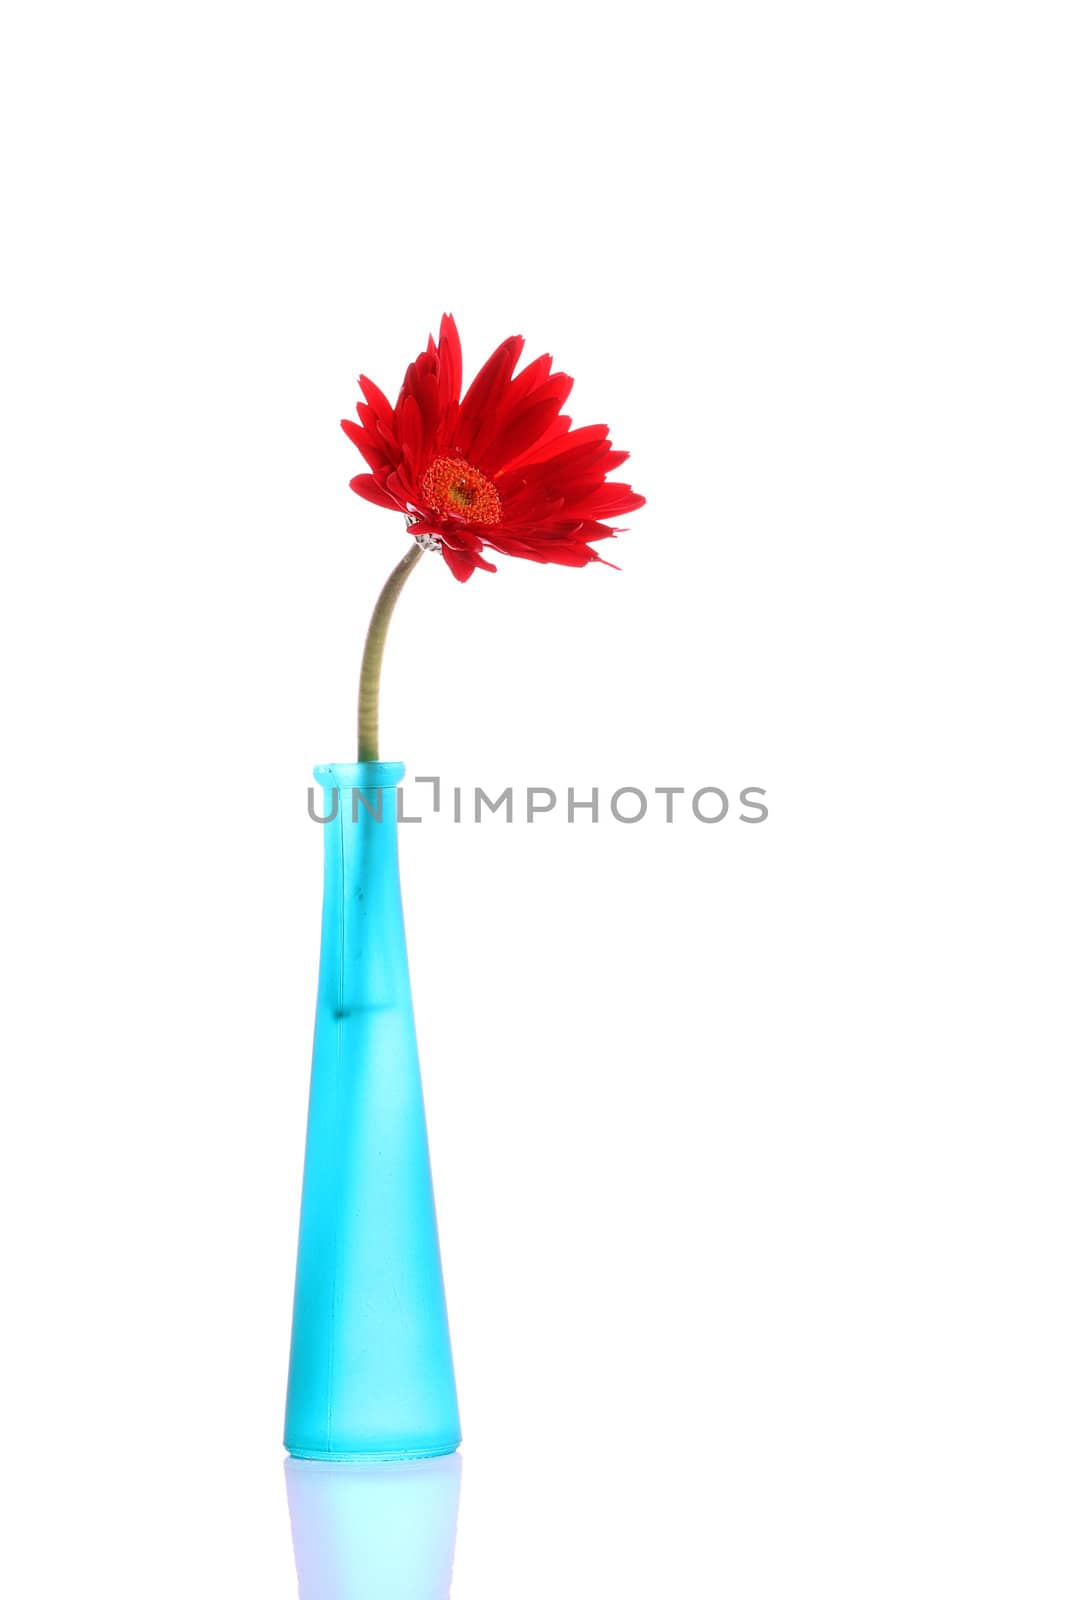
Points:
x=748, y=1141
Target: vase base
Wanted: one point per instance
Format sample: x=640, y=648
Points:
x=373, y=1457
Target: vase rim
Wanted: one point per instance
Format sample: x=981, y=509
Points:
x=359, y=774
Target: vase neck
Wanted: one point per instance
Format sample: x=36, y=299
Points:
x=364, y=958
x=358, y=790
x=359, y=774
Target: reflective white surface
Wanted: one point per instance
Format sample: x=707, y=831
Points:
x=374, y=1533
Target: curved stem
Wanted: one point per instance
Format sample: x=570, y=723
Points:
x=370, y=673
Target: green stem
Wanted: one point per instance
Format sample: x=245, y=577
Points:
x=370, y=673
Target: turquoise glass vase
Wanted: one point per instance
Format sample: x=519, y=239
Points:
x=370, y=1367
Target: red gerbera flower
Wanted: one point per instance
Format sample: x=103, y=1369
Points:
x=498, y=469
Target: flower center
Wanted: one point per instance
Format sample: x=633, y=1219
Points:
x=455, y=488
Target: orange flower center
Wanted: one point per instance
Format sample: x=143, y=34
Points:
x=455, y=488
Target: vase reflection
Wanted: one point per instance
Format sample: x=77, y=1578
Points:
x=374, y=1532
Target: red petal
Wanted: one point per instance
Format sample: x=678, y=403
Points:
x=518, y=436
x=599, y=530
x=610, y=500
x=371, y=490
x=459, y=565
x=484, y=394
x=531, y=377
x=595, y=434
x=372, y=455
x=378, y=432
x=376, y=399
x=451, y=361
x=411, y=432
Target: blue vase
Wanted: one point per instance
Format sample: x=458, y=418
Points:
x=370, y=1367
